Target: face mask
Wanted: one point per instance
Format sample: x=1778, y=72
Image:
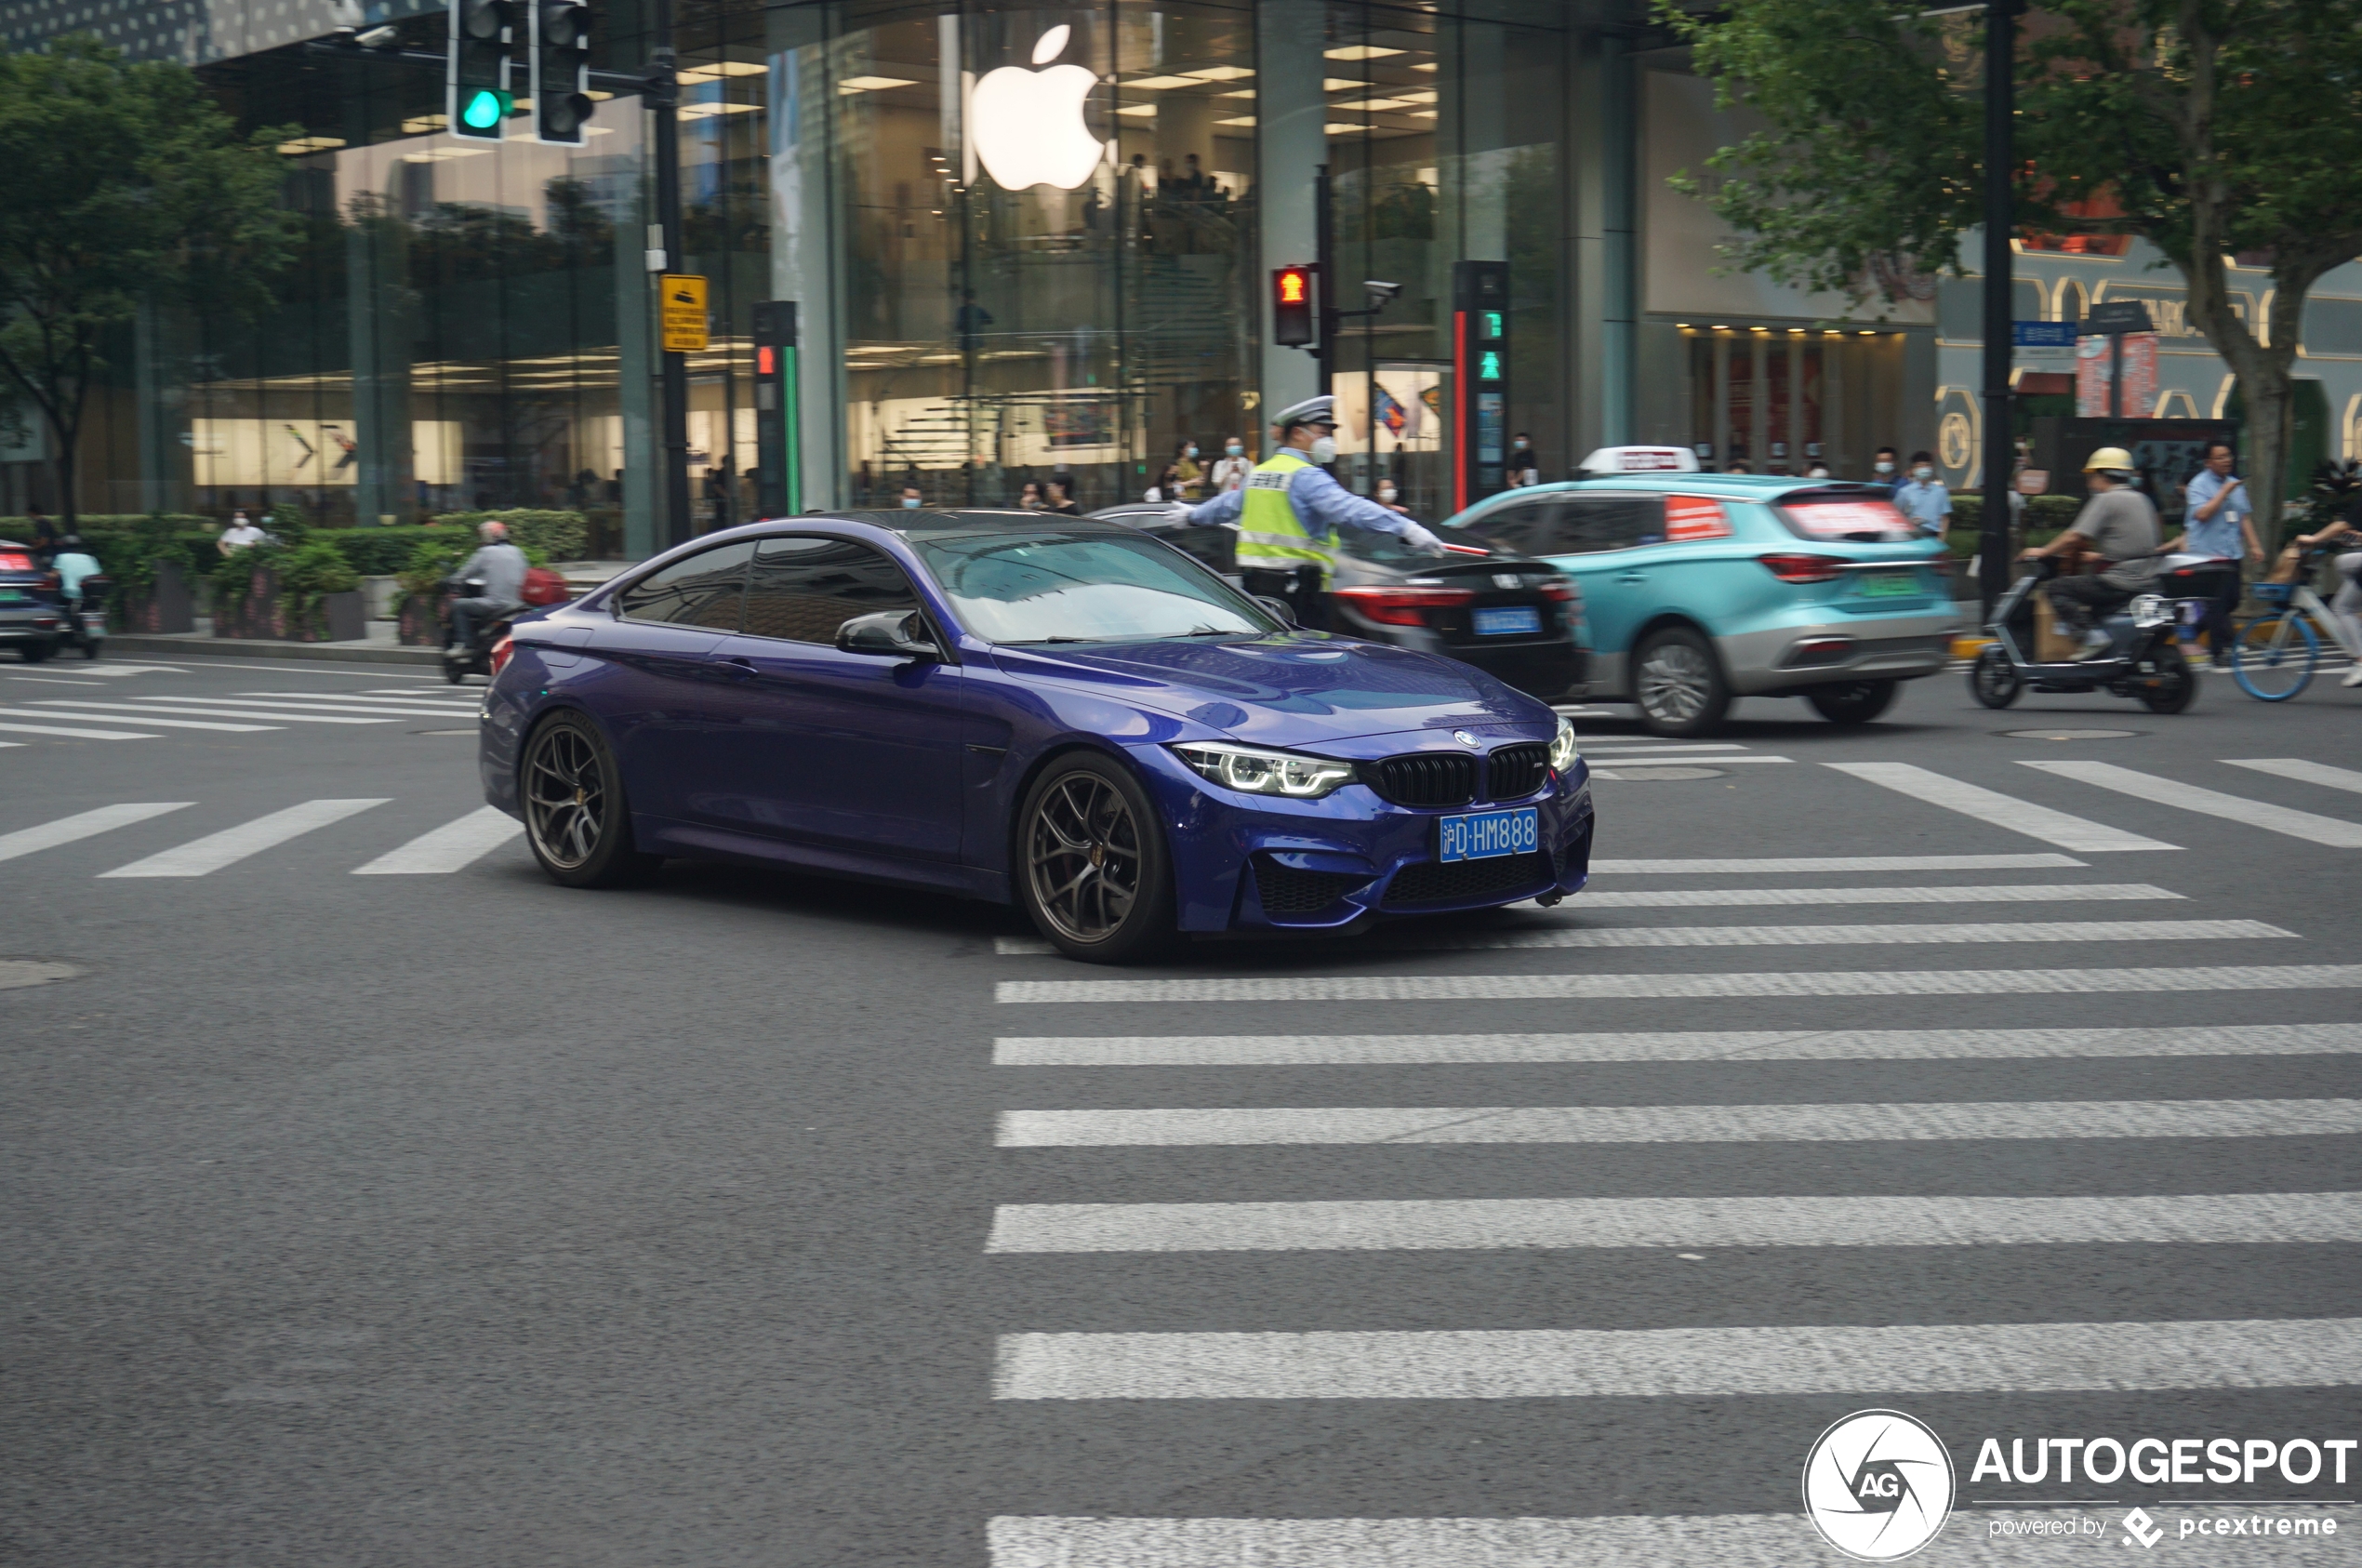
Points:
x=1523, y=444
x=1235, y=450
x=1883, y=467
x=1923, y=472
x=910, y=502
x=1190, y=450
x=1324, y=449
x=1385, y=493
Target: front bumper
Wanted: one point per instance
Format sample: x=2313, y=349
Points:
x=1255, y=862
x=1793, y=658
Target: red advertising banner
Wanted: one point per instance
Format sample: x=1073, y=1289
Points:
x=2091, y=362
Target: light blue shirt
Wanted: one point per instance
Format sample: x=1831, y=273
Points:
x=71, y=566
x=2219, y=535
x=1926, y=503
x=1321, y=504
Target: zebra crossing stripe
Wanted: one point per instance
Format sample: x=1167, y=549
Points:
x=1794, y=864
x=1705, y=1046
x=2334, y=833
x=1478, y=1224
x=448, y=848
x=1914, y=1121
x=1686, y=1363
x=1651, y=759
x=199, y=857
x=165, y=708
x=2302, y=771
x=1972, y=1539
x=1556, y=987
x=369, y=698
x=152, y=723
x=83, y=825
x=66, y=733
x=2003, y=892
x=313, y=705
x=1999, y=810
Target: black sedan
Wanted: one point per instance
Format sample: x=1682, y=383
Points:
x=1518, y=619
x=30, y=620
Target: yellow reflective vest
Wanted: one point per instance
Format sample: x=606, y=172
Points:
x=1271, y=537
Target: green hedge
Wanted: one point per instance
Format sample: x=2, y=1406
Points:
x=2048, y=512
x=559, y=536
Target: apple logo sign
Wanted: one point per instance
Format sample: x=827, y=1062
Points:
x=1027, y=125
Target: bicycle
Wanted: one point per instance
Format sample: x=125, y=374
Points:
x=2274, y=655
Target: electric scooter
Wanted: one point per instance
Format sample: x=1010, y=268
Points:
x=87, y=628
x=2142, y=659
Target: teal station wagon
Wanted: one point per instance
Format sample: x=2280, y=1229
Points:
x=1699, y=587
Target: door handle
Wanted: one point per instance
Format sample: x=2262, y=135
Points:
x=1632, y=577
x=736, y=669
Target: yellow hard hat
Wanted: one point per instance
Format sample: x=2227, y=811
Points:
x=2109, y=458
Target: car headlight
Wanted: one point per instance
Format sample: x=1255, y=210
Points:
x=1255, y=772
x=1563, y=750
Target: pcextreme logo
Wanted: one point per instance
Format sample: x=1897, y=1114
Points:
x=1878, y=1486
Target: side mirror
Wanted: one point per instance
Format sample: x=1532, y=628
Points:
x=895, y=634
x=1279, y=607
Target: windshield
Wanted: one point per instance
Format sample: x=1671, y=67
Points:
x=1086, y=587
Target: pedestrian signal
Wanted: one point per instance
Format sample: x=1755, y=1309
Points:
x=1292, y=321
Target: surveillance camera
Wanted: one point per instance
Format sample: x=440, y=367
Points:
x=1377, y=290
x=379, y=38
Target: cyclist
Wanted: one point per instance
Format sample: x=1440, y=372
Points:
x=2119, y=523
x=2347, y=605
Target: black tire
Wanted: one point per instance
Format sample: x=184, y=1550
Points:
x=1092, y=868
x=576, y=818
x=1993, y=681
x=34, y=653
x=1678, y=684
x=454, y=672
x=1853, y=702
x=2174, y=688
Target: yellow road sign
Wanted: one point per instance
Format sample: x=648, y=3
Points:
x=684, y=313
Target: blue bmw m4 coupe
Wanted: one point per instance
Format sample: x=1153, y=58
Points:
x=1057, y=712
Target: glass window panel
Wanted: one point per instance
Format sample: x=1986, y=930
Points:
x=802, y=590
x=706, y=590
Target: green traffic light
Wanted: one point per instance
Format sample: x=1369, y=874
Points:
x=1489, y=365
x=484, y=109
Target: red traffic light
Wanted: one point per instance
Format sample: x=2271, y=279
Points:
x=1292, y=324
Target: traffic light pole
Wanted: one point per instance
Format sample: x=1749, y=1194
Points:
x=2000, y=327
x=665, y=102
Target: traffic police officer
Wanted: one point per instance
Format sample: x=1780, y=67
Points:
x=1288, y=509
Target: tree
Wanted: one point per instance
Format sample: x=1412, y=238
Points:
x=2208, y=128
x=119, y=182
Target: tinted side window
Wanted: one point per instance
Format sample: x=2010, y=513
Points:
x=701, y=590
x=802, y=590
x=1523, y=527
x=1614, y=521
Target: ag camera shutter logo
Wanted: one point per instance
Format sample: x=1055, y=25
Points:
x=1878, y=1486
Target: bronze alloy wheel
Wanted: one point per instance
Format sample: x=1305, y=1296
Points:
x=565, y=796
x=1083, y=857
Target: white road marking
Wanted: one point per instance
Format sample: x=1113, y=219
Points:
x=2005, y=893
x=1756, y=1540
x=166, y=707
x=1646, y=759
x=2021, y=1357
x=115, y=669
x=2334, y=833
x=54, y=680
x=1555, y=988
x=363, y=702
x=448, y=848
x=260, y=705
x=78, y=734
x=1999, y=810
x=1628, y=748
x=1481, y=1224
x=153, y=723
x=199, y=857
x=1932, y=933
x=1934, y=1121
x=1792, y=863
x=1703, y=1045
x=83, y=825
x=2302, y=771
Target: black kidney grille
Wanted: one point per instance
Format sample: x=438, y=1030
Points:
x=1425, y=779
x=1433, y=882
x=1516, y=772
x=1287, y=891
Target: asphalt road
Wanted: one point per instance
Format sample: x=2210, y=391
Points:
x=440, y=1215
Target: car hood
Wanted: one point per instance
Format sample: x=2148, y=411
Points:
x=1293, y=691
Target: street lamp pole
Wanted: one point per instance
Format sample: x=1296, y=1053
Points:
x=2000, y=219
x=666, y=105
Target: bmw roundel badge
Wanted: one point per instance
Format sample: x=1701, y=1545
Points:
x=1463, y=737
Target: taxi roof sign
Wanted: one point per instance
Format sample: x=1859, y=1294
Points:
x=1641, y=459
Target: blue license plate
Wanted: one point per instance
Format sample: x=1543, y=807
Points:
x=1508, y=621
x=1482, y=835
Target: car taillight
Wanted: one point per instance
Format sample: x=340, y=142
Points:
x=1402, y=607
x=1803, y=568
x=500, y=652
x=1561, y=592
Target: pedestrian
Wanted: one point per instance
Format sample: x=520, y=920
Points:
x=240, y=535
x=1289, y=509
x=1231, y=469
x=2120, y=523
x=1885, y=471
x=1029, y=497
x=1166, y=488
x=1389, y=495
x=1059, y=500
x=1187, y=473
x=912, y=496
x=45, y=535
x=1923, y=497
x=2218, y=522
x=1740, y=465
x=1522, y=470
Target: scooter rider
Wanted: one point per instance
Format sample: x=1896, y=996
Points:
x=501, y=567
x=75, y=565
x=1288, y=509
x=2121, y=524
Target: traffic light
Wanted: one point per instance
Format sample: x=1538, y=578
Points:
x=562, y=102
x=1479, y=379
x=777, y=435
x=479, y=86
x=1294, y=318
